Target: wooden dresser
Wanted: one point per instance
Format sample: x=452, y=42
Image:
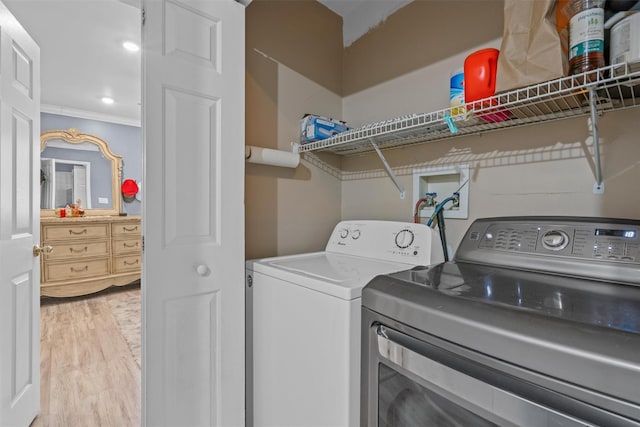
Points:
x=89, y=254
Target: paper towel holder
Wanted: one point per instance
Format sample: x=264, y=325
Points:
x=271, y=157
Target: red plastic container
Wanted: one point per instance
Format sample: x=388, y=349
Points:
x=480, y=74
x=480, y=82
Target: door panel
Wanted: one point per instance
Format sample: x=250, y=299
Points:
x=200, y=351
x=200, y=26
x=23, y=152
x=22, y=324
x=193, y=219
x=191, y=216
x=19, y=223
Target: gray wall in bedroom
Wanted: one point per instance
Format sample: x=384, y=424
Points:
x=100, y=172
x=124, y=140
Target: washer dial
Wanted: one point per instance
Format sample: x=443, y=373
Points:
x=404, y=238
x=555, y=240
x=344, y=233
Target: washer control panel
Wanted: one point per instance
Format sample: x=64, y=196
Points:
x=541, y=243
x=386, y=240
x=598, y=241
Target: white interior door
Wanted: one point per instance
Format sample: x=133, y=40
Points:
x=193, y=213
x=19, y=223
x=82, y=191
x=48, y=168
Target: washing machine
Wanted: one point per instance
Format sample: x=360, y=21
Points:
x=303, y=322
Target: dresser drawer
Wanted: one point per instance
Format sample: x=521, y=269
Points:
x=131, y=228
x=70, y=251
x=66, y=232
x=127, y=246
x=75, y=270
x=123, y=264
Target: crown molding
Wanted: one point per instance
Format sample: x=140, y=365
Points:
x=90, y=115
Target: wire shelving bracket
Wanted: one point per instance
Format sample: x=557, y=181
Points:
x=598, y=187
x=389, y=170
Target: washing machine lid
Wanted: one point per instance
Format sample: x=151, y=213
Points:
x=339, y=275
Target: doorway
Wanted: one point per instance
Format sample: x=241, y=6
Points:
x=90, y=364
x=90, y=344
x=194, y=222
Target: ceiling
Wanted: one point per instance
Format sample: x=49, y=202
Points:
x=82, y=58
x=359, y=16
x=342, y=7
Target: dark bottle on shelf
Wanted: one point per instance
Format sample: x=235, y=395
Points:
x=586, y=36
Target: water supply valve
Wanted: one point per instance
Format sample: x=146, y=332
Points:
x=455, y=204
x=431, y=199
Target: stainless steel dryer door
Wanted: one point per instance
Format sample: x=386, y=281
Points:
x=419, y=384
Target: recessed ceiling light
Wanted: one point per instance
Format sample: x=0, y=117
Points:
x=131, y=46
x=107, y=100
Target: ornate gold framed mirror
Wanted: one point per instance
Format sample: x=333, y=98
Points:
x=76, y=165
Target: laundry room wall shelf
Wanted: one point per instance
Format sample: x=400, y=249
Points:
x=613, y=87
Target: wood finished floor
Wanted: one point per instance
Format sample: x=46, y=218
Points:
x=89, y=377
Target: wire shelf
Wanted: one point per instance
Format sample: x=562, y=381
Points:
x=617, y=87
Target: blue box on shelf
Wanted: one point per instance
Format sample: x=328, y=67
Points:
x=314, y=128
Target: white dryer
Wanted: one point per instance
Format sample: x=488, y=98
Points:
x=303, y=322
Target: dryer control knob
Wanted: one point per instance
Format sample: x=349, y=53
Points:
x=555, y=240
x=344, y=233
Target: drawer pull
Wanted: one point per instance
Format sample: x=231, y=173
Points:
x=130, y=229
x=130, y=263
x=78, y=232
x=77, y=251
x=130, y=246
x=86, y=268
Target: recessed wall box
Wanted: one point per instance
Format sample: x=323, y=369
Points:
x=444, y=181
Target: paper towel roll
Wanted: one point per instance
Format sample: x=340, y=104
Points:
x=267, y=156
